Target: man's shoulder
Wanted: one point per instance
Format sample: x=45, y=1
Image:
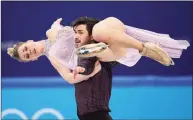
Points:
x=87, y=59
x=110, y=64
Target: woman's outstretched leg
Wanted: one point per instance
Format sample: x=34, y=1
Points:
x=113, y=32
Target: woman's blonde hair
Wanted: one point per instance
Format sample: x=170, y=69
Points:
x=13, y=51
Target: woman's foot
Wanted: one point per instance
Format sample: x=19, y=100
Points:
x=91, y=50
x=156, y=53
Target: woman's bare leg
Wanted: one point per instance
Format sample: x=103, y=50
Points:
x=112, y=32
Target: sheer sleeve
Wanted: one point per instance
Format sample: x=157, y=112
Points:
x=63, y=49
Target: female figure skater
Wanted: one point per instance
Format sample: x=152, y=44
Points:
x=134, y=42
x=60, y=47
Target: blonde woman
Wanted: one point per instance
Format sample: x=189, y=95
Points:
x=60, y=48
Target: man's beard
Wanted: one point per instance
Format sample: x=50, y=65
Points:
x=86, y=43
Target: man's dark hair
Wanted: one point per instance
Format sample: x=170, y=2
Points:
x=88, y=21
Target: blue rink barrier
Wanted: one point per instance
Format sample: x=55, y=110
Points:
x=132, y=98
x=34, y=82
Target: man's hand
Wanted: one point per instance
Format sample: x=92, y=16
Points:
x=78, y=70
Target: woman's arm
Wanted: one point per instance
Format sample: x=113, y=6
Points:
x=68, y=75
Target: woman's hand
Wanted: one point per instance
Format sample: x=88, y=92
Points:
x=57, y=24
x=52, y=32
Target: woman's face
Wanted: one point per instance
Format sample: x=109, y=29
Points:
x=29, y=51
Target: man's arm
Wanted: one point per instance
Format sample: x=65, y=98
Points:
x=114, y=63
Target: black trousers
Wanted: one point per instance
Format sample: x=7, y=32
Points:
x=99, y=115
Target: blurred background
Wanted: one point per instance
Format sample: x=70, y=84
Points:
x=148, y=90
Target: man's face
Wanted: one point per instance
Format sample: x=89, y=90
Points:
x=81, y=35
